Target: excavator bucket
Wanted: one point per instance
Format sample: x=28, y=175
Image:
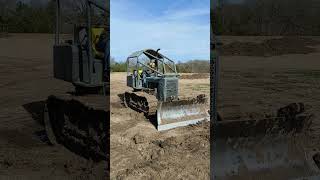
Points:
x=271, y=148
x=181, y=112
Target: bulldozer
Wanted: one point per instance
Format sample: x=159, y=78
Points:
x=274, y=147
x=153, y=78
x=78, y=119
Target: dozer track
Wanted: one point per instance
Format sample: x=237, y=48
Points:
x=141, y=101
x=79, y=123
x=172, y=114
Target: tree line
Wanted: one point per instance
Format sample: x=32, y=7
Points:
x=21, y=17
x=192, y=66
x=266, y=17
x=36, y=16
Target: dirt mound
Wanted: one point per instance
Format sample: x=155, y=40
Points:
x=271, y=47
x=163, y=158
x=195, y=76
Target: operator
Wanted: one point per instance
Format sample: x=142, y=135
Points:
x=152, y=64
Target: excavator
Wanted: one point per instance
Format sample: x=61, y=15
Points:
x=153, y=78
x=78, y=119
x=260, y=149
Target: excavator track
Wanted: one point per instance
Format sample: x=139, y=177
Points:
x=79, y=123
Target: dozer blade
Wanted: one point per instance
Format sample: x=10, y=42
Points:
x=263, y=149
x=181, y=113
x=263, y=158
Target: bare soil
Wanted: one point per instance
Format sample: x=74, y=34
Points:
x=26, y=81
x=252, y=85
x=249, y=85
x=139, y=151
x=271, y=47
x=195, y=76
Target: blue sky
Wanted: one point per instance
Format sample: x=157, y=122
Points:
x=181, y=28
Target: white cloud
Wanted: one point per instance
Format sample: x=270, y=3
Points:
x=186, y=13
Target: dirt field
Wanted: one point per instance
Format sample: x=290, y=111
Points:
x=139, y=151
x=26, y=80
x=249, y=86
x=252, y=86
x=273, y=46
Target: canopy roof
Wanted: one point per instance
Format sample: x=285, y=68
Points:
x=150, y=53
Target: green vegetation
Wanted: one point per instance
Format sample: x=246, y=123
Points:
x=36, y=16
x=193, y=66
x=24, y=18
x=118, y=67
x=266, y=17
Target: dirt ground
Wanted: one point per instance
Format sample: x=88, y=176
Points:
x=251, y=85
x=248, y=85
x=139, y=151
x=195, y=76
x=255, y=84
x=272, y=46
x=26, y=80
